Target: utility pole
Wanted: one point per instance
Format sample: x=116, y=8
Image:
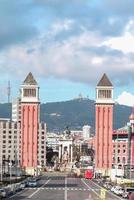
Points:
x=8, y=91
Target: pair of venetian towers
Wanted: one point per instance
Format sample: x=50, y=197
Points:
x=30, y=109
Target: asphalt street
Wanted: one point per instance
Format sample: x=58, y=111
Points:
x=61, y=187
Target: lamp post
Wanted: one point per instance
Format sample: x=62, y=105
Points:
x=1, y=178
x=129, y=150
x=116, y=156
x=10, y=170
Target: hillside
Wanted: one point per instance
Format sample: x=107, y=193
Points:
x=73, y=113
x=76, y=113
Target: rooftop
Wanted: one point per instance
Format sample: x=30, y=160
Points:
x=104, y=81
x=30, y=80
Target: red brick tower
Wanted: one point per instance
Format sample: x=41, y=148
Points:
x=104, y=126
x=30, y=105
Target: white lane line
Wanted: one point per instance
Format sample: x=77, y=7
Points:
x=31, y=195
x=46, y=183
x=65, y=194
x=90, y=188
x=108, y=191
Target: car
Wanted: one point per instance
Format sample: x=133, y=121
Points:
x=113, y=188
x=3, y=193
x=23, y=185
x=118, y=190
x=127, y=192
x=32, y=183
x=107, y=185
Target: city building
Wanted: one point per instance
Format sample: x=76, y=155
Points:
x=104, y=126
x=120, y=147
x=16, y=110
x=52, y=140
x=9, y=144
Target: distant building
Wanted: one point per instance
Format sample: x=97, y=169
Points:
x=53, y=141
x=86, y=132
x=120, y=147
x=16, y=110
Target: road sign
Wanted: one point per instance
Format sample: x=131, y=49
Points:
x=103, y=194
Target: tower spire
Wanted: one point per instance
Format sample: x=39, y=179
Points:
x=29, y=80
x=104, y=81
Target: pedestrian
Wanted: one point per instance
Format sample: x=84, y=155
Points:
x=131, y=196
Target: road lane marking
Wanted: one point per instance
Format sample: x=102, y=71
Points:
x=31, y=195
x=59, y=188
x=65, y=194
x=90, y=188
x=46, y=183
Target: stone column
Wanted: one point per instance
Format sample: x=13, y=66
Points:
x=69, y=153
x=59, y=153
x=71, y=158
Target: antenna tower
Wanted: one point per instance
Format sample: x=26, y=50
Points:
x=8, y=92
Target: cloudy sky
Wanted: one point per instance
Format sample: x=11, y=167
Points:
x=67, y=45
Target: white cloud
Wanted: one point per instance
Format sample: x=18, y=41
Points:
x=62, y=26
x=81, y=58
x=125, y=98
x=123, y=42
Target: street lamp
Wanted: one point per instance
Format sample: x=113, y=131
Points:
x=10, y=170
x=129, y=150
x=116, y=155
x=1, y=178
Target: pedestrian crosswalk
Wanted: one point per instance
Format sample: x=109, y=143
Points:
x=62, y=188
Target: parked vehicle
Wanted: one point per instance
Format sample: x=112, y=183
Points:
x=3, y=193
x=17, y=187
x=32, y=183
x=113, y=188
x=89, y=174
x=23, y=185
x=118, y=190
x=127, y=192
x=107, y=185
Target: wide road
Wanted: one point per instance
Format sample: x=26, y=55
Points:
x=62, y=187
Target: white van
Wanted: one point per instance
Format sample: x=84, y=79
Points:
x=127, y=191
